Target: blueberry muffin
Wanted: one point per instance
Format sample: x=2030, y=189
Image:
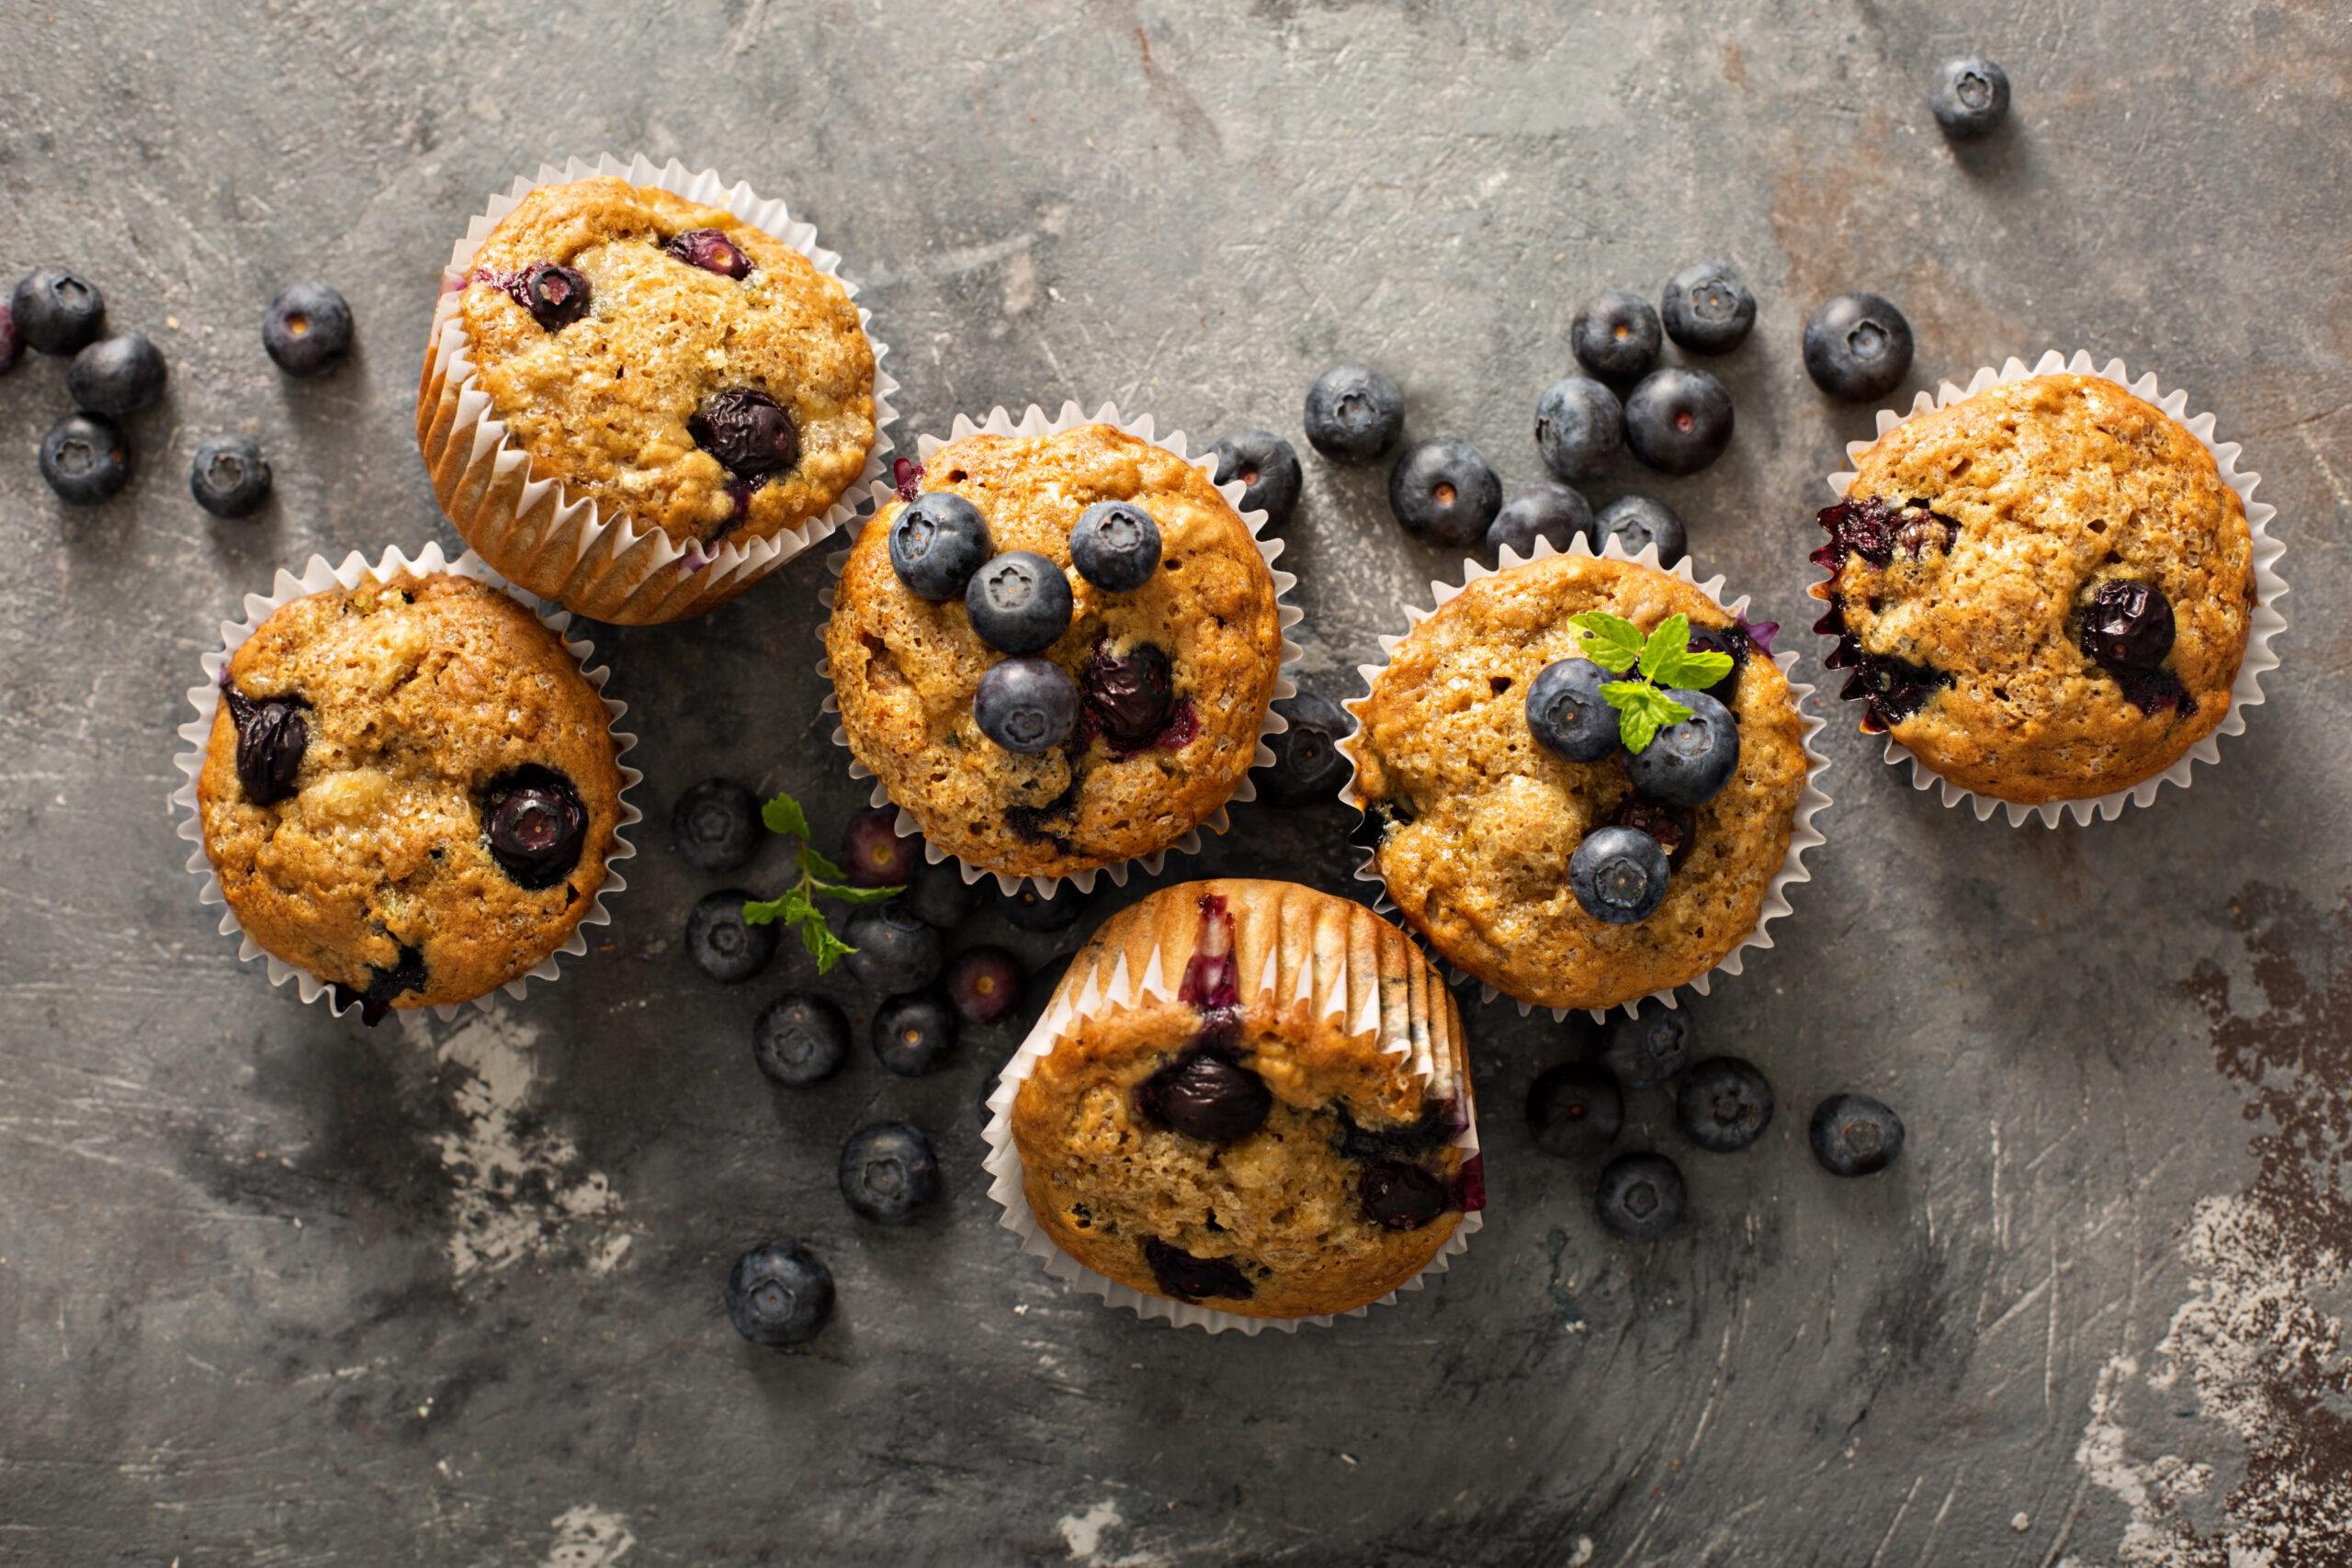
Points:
x=410, y=790
x=2043, y=591
x=667, y=359
x=1279, y=1125
x=1146, y=645
x=1477, y=828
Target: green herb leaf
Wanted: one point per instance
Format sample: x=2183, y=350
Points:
x=792, y=906
x=1610, y=641
x=818, y=868
x=1641, y=711
x=848, y=895
x=1694, y=672
x=783, y=814
x=1666, y=643
x=823, y=946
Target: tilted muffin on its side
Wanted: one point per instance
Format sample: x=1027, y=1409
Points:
x=1259, y=1102
x=1161, y=686
x=1476, y=826
x=2043, y=591
x=410, y=790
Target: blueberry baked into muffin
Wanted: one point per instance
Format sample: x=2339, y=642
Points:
x=1540, y=838
x=1058, y=653
x=410, y=790
x=2043, y=590
x=1261, y=1104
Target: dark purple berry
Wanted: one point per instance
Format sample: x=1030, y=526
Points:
x=1615, y=335
x=1194, y=1279
x=1025, y=705
x=896, y=952
x=1853, y=1134
x=556, y=296
x=799, y=1040
x=914, y=1035
x=117, y=374
x=1575, y=1108
x=1971, y=98
x=1116, y=546
x=308, y=329
x=710, y=250
x=887, y=1172
x=1650, y=1047
x=1637, y=522
x=1203, y=1095
x=723, y=944
x=1443, y=491
x=715, y=825
x=779, y=1295
x=229, y=477
x=1401, y=1196
x=1019, y=603
x=1677, y=419
x=937, y=541
x=1674, y=826
x=2129, y=626
x=1354, y=413
x=1267, y=466
x=984, y=984
x=86, y=459
x=56, y=312
x=1579, y=425
x=271, y=738
x=1544, y=511
x=1724, y=1104
x=1707, y=309
x=873, y=852
x=1856, y=346
x=536, y=825
x=1308, y=764
x=1129, y=693
x=1642, y=1196
x=1618, y=877
x=1688, y=761
x=748, y=432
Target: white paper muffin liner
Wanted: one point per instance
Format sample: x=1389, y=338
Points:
x=568, y=551
x=1803, y=834
x=204, y=698
x=1036, y=423
x=1093, y=991
x=2268, y=588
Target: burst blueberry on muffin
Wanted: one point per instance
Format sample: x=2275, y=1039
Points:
x=410, y=790
x=2043, y=591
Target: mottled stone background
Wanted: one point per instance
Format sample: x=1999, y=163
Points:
x=278, y=1289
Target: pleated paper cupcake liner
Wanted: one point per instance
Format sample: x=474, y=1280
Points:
x=1034, y=422
x=205, y=697
x=609, y=569
x=2270, y=587
x=1418, y=1023
x=1803, y=835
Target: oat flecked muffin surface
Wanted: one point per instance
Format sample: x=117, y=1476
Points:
x=1476, y=822
x=437, y=790
x=1978, y=540
x=608, y=403
x=904, y=670
x=1280, y=1128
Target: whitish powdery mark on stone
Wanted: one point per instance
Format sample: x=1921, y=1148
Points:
x=587, y=1537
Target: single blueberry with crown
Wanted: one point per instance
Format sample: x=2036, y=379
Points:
x=1706, y=309
x=1443, y=491
x=749, y=432
x=86, y=459
x=537, y=826
x=1615, y=334
x=1267, y=466
x=873, y=854
x=1856, y=346
x=799, y=1040
x=1650, y=1045
x=887, y=1172
x=1207, y=1096
x=715, y=825
x=1641, y=1197
x=1853, y=1134
x=1678, y=420
x=723, y=943
x=1688, y=761
x=1724, y=1104
x=1546, y=511
x=56, y=312
x=1025, y=706
x=895, y=951
x=1970, y=98
x=914, y=1035
x=1575, y=1108
x=779, y=1293
x=937, y=542
x=710, y=250
x=307, y=328
x=1116, y=546
x=1618, y=876
x=1354, y=413
x=117, y=374
x=1567, y=714
x=556, y=296
x=1308, y=764
x=983, y=984
x=1579, y=425
x=1638, y=522
x=230, y=478
x=1019, y=603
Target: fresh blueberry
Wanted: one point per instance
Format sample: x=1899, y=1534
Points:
x=887, y=1172
x=1019, y=602
x=749, y=432
x=1855, y=1135
x=1190, y=1278
x=1678, y=420
x=799, y=1040
x=308, y=330
x=1575, y=1108
x=1354, y=413
x=1579, y=425
x=710, y=250
x=57, y=312
x=1027, y=909
x=2129, y=626
x=716, y=825
x=272, y=736
x=117, y=374
x=896, y=952
x=1567, y=714
x=229, y=477
x=779, y=1295
x=1308, y=764
x=940, y=897
x=984, y=984
x=1707, y=309
x=1857, y=347
x=1724, y=1104
x=1206, y=1095
x=1130, y=694
x=1674, y=826
x=937, y=541
x=1685, y=763
x=1542, y=510
x=12, y=343
x=913, y=1033
x=1618, y=876
x=86, y=459
x=1641, y=1197
x=1398, y=1195
x=535, y=824
x=1971, y=98
x=726, y=947
x=1116, y=546
x=1444, y=491
x=1650, y=1047
x=1615, y=335
x=1025, y=706
x=1267, y=466
x=873, y=852
x=1638, y=522
x=556, y=296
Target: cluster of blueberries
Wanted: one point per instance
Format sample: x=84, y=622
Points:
x=85, y=456
x=1576, y=1109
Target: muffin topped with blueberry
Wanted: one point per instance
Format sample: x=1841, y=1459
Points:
x=1267, y=1112
x=1579, y=777
x=2043, y=590
x=669, y=360
x=1057, y=653
x=410, y=790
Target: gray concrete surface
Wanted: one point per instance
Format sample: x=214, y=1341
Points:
x=278, y=1289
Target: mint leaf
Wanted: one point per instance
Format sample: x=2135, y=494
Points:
x=1641, y=711
x=783, y=814
x=791, y=907
x=1672, y=637
x=1610, y=641
x=823, y=946
x=1694, y=672
x=848, y=895
x=817, y=868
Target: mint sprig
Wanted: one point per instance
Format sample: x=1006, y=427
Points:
x=1664, y=658
x=820, y=878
